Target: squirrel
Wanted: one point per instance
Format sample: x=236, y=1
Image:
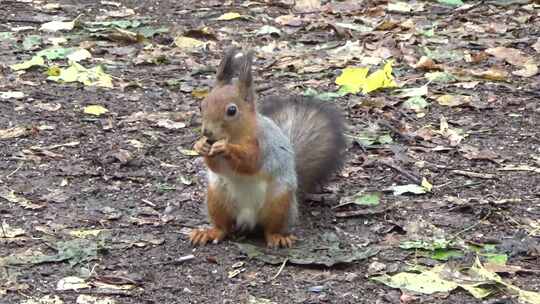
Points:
x=261, y=158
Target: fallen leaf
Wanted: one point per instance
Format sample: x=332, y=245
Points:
x=11, y=94
x=409, y=188
x=323, y=249
x=229, y=16
x=307, y=6
x=510, y=55
x=380, y=79
x=402, y=7
x=10, y=196
x=90, y=77
x=72, y=283
x=536, y=45
x=188, y=152
x=440, y=77
x=289, y=20
x=89, y=299
x=7, y=231
x=530, y=68
x=453, y=100
x=96, y=110
x=55, y=26
x=34, y=61
x=351, y=80
x=13, y=132
x=188, y=43
x=79, y=54
x=268, y=30
x=47, y=299
x=453, y=135
x=451, y=2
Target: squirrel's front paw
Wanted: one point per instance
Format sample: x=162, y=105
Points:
x=203, y=236
x=202, y=146
x=218, y=147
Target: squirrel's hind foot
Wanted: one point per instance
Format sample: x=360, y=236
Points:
x=276, y=240
x=203, y=236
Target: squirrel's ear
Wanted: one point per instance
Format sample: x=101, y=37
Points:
x=245, y=78
x=225, y=71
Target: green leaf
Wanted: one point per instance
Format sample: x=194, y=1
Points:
x=416, y=103
x=54, y=53
x=368, y=199
x=414, y=92
x=427, y=282
x=440, y=77
x=6, y=36
x=123, y=24
x=445, y=254
x=34, y=61
x=30, y=42
x=326, y=96
x=451, y=2
x=428, y=245
x=149, y=31
x=499, y=259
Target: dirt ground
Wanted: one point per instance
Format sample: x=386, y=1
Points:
x=131, y=177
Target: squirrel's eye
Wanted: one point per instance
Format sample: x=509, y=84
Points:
x=231, y=110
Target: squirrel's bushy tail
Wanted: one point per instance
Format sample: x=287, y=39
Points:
x=316, y=130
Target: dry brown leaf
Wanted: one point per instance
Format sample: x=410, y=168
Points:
x=426, y=63
x=529, y=69
x=307, y=6
x=13, y=132
x=453, y=100
x=536, y=45
x=289, y=20
x=510, y=55
x=473, y=153
x=492, y=74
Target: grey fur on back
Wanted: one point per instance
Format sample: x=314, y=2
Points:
x=316, y=132
x=277, y=153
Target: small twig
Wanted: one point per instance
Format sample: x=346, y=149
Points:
x=395, y=130
x=471, y=226
x=411, y=176
x=280, y=268
x=22, y=20
x=474, y=174
x=15, y=171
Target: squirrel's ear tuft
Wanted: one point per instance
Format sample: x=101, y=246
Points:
x=245, y=78
x=225, y=71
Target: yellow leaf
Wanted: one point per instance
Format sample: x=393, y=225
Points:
x=380, y=79
x=229, y=16
x=187, y=43
x=82, y=233
x=34, y=61
x=96, y=110
x=427, y=185
x=352, y=80
x=199, y=93
x=53, y=71
x=188, y=152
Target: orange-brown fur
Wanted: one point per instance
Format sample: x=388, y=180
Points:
x=274, y=217
x=221, y=217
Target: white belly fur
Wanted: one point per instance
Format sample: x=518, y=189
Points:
x=246, y=193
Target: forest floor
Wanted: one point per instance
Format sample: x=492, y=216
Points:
x=96, y=207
